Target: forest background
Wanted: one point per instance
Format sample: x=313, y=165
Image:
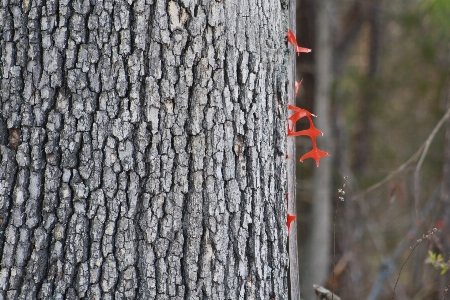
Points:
x=390, y=87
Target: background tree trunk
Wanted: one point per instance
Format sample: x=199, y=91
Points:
x=143, y=149
x=364, y=127
x=317, y=73
x=317, y=248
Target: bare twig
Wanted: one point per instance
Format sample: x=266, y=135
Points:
x=425, y=236
x=401, y=269
x=422, y=150
x=324, y=294
x=391, y=175
x=422, y=157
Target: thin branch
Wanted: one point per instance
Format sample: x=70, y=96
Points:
x=423, y=149
x=401, y=269
x=324, y=294
x=422, y=157
x=391, y=175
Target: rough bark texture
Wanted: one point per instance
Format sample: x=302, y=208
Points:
x=143, y=149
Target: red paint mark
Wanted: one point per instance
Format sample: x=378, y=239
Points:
x=293, y=40
x=290, y=219
x=312, y=132
x=287, y=155
x=440, y=224
x=297, y=86
x=287, y=195
x=315, y=154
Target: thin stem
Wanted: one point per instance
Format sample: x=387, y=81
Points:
x=334, y=247
x=401, y=269
x=341, y=193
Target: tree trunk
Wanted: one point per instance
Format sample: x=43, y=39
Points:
x=143, y=149
x=294, y=278
x=318, y=258
x=364, y=128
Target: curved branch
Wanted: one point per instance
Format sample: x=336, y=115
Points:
x=426, y=146
x=422, y=150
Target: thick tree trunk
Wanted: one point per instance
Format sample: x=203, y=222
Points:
x=143, y=149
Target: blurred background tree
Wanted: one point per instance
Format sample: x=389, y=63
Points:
x=390, y=87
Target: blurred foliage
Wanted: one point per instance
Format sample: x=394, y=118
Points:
x=437, y=261
x=437, y=13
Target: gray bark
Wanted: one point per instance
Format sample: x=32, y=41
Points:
x=143, y=149
x=294, y=280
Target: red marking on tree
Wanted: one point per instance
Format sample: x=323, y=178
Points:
x=297, y=86
x=315, y=154
x=287, y=155
x=290, y=219
x=293, y=40
x=440, y=224
x=312, y=132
